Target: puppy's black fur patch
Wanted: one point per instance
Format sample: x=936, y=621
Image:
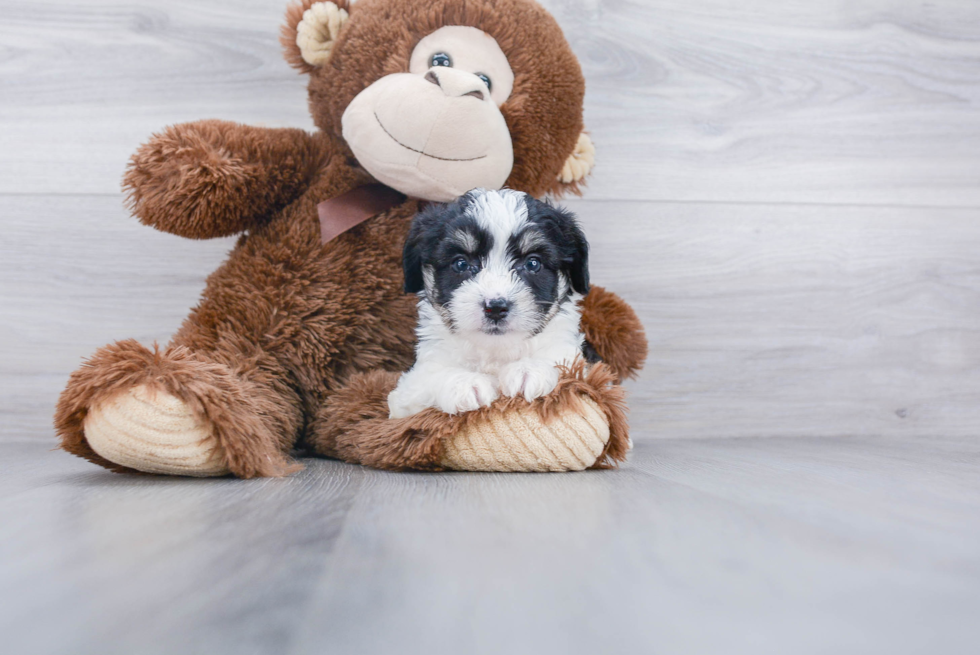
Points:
x=560, y=244
x=449, y=243
x=428, y=230
x=431, y=225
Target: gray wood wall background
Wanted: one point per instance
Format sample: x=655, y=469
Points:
x=787, y=192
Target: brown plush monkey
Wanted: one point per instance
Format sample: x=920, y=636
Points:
x=429, y=98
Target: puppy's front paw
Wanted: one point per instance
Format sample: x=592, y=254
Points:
x=464, y=392
x=529, y=378
x=402, y=404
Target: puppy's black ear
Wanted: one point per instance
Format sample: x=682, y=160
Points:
x=412, y=259
x=576, y=250
x=419, y=237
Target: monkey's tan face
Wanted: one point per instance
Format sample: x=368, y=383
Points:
x=436, y=131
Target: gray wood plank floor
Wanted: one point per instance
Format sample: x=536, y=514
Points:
x=859, y=545
x=788, y=193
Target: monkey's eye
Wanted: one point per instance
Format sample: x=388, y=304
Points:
x=460, y=265
x=441, y=59
x=532, y=264
x=486, y=80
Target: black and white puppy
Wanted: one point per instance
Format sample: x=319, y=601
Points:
x=499, y=275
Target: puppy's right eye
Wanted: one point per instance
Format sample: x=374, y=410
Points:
x=533, y=264
x=460, y=265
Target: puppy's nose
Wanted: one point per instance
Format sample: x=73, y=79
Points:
x=496, y=309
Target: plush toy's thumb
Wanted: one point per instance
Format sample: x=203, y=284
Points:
x=580, y=162
x=310, y=31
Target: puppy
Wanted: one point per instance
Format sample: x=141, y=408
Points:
x=499, y=275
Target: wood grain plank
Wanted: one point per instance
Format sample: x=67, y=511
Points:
x=77, y=272
x=129, y=564
x=742, y=546
x=867, y=102
x=763, y=320
x=768, y=320
x=86, y=83
x=859, y=545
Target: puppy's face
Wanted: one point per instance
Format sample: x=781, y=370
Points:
x=496, y=262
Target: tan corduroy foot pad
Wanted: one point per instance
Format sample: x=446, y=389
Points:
x=520, y=440
x=581, y=424
x=154, y=432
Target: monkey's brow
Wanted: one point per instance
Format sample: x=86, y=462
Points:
x=464, y=240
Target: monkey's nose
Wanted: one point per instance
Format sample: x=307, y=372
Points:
x=496, y=309
x=455, y=83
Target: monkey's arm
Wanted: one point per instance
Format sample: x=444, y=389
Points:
x=216, y=178
x=612, y=328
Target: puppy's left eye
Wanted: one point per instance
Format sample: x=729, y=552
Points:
x=532, y=265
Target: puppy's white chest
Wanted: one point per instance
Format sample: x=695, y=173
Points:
x=490, y=355
x=458, y=374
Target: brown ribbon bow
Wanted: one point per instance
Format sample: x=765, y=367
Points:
x=340, y=214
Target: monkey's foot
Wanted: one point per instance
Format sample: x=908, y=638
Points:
x=170, y=411
x=152, y=431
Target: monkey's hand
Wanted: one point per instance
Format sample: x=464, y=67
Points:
x=215, y=178
x=613, y=329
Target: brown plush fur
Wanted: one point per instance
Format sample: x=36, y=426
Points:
x=615, y=331
x=213, y=178
x=286, y=320
x=249, y=424
x=353, y=423
x=544, y=111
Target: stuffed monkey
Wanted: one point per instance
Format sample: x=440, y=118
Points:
x=414, y=102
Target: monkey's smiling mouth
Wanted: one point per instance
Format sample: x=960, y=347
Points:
x=424, y=154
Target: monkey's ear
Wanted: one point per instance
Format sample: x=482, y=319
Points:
x=579, y=164
x=311, y=29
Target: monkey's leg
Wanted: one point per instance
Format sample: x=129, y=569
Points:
x=177, y=412
x=352, y=425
